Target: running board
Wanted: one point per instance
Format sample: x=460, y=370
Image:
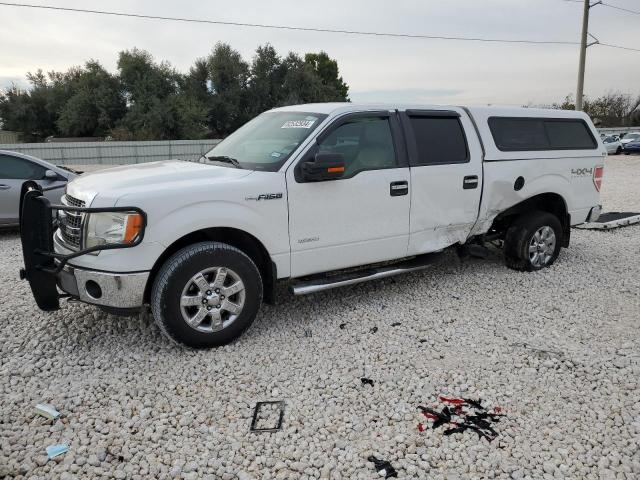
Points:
x=610, y=220
x=323, y=283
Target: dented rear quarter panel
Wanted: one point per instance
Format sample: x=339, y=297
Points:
x=568, y=173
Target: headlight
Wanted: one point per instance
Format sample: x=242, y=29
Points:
x=108, y=228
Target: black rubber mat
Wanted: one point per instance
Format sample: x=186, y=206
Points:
x=613, y=216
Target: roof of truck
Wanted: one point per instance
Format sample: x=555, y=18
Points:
x=476, y=111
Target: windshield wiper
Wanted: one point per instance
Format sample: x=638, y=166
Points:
x=226, y=159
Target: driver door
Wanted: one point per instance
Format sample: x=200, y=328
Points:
x=361, y=217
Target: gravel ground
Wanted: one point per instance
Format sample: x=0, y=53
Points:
x=558, y=350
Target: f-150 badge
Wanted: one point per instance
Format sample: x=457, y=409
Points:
x=266, y=196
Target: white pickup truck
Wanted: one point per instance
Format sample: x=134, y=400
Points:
x=320, y=195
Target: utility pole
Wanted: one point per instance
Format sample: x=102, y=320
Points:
x=583, y=52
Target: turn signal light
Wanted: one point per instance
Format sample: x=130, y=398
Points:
x=133, y=227
x=335, y=170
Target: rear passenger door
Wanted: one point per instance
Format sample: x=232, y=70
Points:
x=445, y=158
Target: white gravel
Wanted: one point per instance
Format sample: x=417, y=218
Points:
x=558, y=350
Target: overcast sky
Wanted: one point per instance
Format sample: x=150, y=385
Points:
x=376, y=68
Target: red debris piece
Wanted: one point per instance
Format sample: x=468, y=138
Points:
x=497, y=409
x=430, y=416
x=420, y=427
x=453, y=401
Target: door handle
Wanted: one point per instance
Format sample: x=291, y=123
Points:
x=4, y=187
x=470, y=182
x=398, y=189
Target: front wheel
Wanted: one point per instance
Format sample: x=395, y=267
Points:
x=619, y=151
x=533, y=241
x=206, y=295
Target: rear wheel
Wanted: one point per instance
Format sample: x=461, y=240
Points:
x=206, y=295
x=533, y=242
x=619, y=151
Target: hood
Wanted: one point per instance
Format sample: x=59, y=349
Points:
x=119, y=181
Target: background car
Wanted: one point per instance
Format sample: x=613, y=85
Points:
x=15, y=169
x=613, y=145
x=632, y=147
x=629, y=137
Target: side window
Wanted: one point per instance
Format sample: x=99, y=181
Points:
x=438, y=140
x=13, y=168
x=366, y=144
x=522, y=134
x=569, y=135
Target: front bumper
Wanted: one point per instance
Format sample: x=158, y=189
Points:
x=116, y=290
x=47, y=270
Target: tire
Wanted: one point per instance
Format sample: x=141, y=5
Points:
x=521, y=236
x=180, y=295
x=619, y=151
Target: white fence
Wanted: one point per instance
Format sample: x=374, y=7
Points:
x=113, y=153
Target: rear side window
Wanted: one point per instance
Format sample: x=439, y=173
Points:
x=13, y=168
x=521, y=134
x=438, y=140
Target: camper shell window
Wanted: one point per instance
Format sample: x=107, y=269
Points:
x=516, y=134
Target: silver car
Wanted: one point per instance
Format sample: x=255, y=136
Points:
x=15, y=169
x=613, y=145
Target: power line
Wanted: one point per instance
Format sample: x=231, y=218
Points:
x=620, y=47
x=285, y=27
x=635, y=12
x=309, y=29
x=604, y=4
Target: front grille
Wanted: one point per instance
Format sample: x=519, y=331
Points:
x=70, y=224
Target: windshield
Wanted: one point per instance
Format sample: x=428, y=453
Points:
x=632, y=136
x=267, y=141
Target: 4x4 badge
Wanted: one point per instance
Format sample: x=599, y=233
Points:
x=266, y=196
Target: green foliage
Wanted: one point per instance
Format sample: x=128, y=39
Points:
x=147, y=100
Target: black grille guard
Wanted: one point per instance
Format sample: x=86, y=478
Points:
x=41, y=263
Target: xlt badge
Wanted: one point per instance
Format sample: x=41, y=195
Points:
x=266, y=196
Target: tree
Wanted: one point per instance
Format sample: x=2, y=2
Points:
x=96, y=104
x=613, y=109
x=147, y=100
x=327, y=69
x=266, y=82
x=301, y=83
x=157, y=107
x=229, y=76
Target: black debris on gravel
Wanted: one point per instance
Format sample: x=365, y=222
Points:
x=383, y=467
x=366, y=381
x=461, y=415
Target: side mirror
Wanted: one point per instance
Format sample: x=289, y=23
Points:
x=51, y=175
x=324, y=166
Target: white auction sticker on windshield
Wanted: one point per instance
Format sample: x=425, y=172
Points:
x=298, y=124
